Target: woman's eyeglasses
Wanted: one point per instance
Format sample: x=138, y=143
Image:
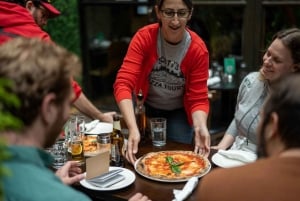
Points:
x=183, y=13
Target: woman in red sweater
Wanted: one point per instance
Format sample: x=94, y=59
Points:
x=169, y=64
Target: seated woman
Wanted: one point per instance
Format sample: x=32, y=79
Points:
x=281, y=58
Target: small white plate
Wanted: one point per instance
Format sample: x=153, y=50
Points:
x=129, y=179
x=225, y=162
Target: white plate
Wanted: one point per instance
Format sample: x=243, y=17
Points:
x=129, y=179
x=169, y=180
x=225, y=162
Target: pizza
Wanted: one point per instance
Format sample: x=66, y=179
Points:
x=172, y=165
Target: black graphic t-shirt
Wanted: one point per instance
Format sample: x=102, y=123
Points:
x=166, y=79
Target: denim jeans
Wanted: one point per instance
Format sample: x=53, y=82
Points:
x=178, y=128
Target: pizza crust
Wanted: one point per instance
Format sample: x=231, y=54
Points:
x=154, y=165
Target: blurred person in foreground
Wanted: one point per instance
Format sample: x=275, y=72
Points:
x=41, y=75
x=26, y=18
x=275, y=176
x=281, y=57
x=169, y=63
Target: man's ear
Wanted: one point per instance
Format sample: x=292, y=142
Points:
x=272, y=126
x=49, y=108
x=29, y=6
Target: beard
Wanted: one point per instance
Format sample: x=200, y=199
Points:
x=54, y=131
x=37, y=19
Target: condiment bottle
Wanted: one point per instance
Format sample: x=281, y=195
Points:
x=141, y=115
x=117, y=141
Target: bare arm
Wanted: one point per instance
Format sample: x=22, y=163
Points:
x=127, y=110
x=225, y=143
x=202, y=137
x=87, y=108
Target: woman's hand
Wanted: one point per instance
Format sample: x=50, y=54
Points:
x=202, y=136
x=70, y=173
x=132, y=146
x=202, y=141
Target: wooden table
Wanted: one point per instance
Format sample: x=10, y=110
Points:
x=157, y=191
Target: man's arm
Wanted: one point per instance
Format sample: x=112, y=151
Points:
x=85, y=106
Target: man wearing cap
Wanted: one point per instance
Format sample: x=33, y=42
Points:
x=26, y=18
x=42, y=10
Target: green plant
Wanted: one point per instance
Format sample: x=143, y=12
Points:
x=64, y=29
x=7, y=121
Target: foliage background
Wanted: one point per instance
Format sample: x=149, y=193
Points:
x=7, y=121
x=64, y=29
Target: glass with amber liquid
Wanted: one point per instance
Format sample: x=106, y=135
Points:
x=77, y=137
x=77, y=150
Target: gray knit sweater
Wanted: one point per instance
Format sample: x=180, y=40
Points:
x=252, y=93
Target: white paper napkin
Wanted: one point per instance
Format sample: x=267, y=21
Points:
x=89, y=126
x=180, y=195
x=244, y=156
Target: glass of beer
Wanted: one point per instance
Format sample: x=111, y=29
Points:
x=77, y=149
x=77, y=125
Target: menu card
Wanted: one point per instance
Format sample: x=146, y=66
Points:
x=97, y=165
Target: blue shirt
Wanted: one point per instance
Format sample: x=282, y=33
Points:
x=31, y=179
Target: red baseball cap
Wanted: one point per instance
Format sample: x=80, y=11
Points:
x=53, y=12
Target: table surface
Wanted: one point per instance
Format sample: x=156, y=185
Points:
x=155, y=190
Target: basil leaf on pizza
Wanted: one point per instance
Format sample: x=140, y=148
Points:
x=175, y=167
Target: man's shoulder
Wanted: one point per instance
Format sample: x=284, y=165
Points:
x=16, y=21
x=27, y=31
x=25, y=176
x=34, y=190
x=249, y=180
x=236, y=174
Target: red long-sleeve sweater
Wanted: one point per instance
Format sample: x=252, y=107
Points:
x=142, y=55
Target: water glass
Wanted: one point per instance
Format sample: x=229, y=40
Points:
x=158, y=131
x=59, y=153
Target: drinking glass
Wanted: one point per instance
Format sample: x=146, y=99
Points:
x=59, y=153
x=158, y=131
x=76, y=127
